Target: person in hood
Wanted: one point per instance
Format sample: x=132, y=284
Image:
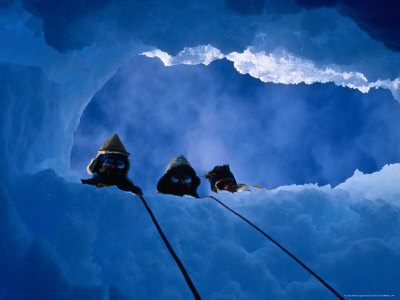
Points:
x=222, y=179
x=179, y=178
x=111, y=166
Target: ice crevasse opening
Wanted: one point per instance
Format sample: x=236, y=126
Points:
x=88, y=243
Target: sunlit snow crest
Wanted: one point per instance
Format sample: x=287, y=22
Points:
x=204, y=54
x=283, y=68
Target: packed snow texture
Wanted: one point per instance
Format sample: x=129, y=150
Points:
x=63, y=240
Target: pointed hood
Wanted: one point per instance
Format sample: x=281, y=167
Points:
x=180, y=160
x=112, y=145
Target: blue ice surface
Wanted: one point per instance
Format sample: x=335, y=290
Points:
x=64, y=240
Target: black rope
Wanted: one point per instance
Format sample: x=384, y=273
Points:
x=176, y=258
x=276, y=243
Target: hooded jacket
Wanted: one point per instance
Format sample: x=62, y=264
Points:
x=221, y=172
x=178, y=164
x=114, y=147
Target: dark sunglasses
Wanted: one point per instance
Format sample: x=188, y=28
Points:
x=177, y=178
x=108, y=162
x=220, y=185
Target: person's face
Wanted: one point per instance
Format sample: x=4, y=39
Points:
x=181, y=183
x=113, y=166
x=225, y=184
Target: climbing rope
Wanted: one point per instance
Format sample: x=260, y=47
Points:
x=176, y=258
x=281, y=247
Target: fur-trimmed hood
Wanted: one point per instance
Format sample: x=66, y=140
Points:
x=112, y=145
x=219, y=172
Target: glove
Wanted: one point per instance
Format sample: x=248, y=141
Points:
x=95, y=180
x=128, y=186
